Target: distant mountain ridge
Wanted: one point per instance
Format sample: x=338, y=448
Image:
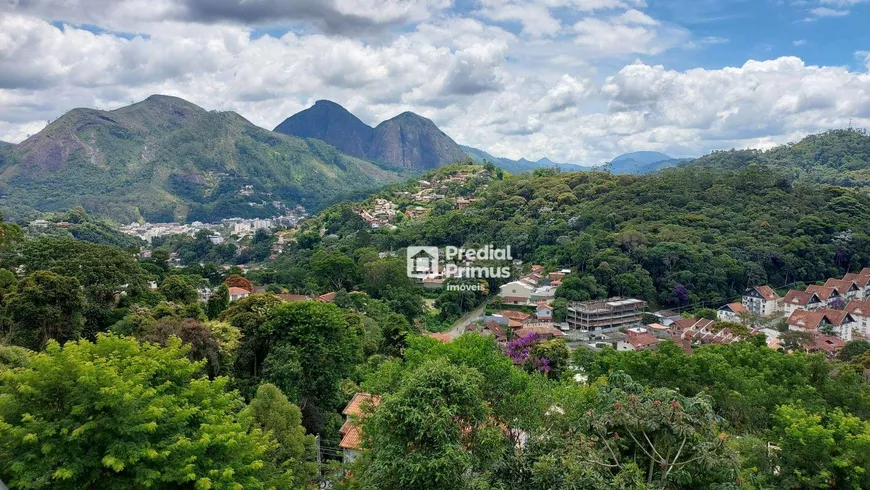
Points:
x=522, y=165
x=406, y=141
x=167, y=159
x=643, y=162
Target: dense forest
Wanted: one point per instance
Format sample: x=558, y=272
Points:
x=836, y=157
x=712, y=231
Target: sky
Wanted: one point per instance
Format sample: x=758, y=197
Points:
x=578, y=81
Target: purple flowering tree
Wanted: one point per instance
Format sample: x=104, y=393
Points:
x=680, y=295
x=532, y=353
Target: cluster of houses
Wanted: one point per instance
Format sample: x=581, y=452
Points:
x=382, y=212
x=532, y=288
x=239, y=227
x=833, y=313
x=507, y=325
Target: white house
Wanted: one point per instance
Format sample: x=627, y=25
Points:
x=815, y=322
x=800, y=300
x=516, y=292
x=860, y=311
x=238, y=293
x=731, y=312
x=544, y=312
x=761, y=300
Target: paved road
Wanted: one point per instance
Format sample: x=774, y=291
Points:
x=458, y=327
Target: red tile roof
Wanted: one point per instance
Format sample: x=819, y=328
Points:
x=767, y=293
x=351, y=439
x=360, y=401
x=514, y=315
x=860, y=308
x=842, y=285
x=235, y=291
x=350, y=431
x=642, y=340
x=327, y=298
x=812, y=320
x=824, y=293
x=800, y=298
x=737, y=307
x=859, y=279
x=827, y=344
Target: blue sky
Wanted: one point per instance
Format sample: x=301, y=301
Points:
x=574, y=80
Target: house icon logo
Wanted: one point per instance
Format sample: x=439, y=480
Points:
x=422, y=262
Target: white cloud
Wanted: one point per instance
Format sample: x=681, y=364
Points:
x=821, y=12
x=630, y=32
x=562, y=91
x=799, y=42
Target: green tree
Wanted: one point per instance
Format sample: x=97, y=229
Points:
x=335, y=270
x=672, y=437
x=46, y=306
x=118, y=414
x=177, y=290
x=306, y=349
x=853, y=349
x=821, y=450
x=434, y=432
x=218, y=302
x=291, y=461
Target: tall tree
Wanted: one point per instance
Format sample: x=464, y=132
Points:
x=434, y=432
x=46, y=306
x=292, y=458
x=117, y=414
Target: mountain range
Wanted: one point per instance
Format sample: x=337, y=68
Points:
x=643, y=162
x=522, y=165
x=167, y=159
x=407, y=141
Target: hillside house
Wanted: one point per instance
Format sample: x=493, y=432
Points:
x=351, y=431
x=860, y=311
x=516, y=293
x=237, y=293
x=862, y=280
x=517, y=316
x=637, y=339
x=731, y=312
x=816, y=322
x=761, y=301
x=800, y=300
x=828, y=295
x=825, y=344
x=544, y=312
x=848, y=289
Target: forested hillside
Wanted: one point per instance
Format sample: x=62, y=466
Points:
x=166, y=159
x=839, y=157
x=709, y=230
